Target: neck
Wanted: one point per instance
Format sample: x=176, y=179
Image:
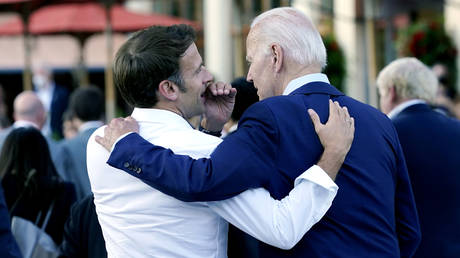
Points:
x=168, y=106
x=295, y=71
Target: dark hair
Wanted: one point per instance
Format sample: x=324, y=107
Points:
x=149, y=57
x=246, y=96
x=25, y=160
x=86, y=104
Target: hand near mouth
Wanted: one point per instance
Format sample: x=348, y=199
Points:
x=219, y=102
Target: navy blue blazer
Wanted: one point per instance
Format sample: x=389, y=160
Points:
x=431, y=145
x=373, y=214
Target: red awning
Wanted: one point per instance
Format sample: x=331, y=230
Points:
x=86, y=18
x=12, y=1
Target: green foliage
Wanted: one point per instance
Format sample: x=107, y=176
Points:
x=335, y=68
x=429, y=42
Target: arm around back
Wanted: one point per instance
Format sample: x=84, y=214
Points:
x=241, y=162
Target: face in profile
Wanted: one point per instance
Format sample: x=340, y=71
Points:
x=195, y=78
x=260, y=68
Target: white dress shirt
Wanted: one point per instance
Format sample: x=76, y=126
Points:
x=139, y=221
x=45, y=94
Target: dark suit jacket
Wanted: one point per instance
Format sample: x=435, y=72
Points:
x=73, y=159
x=8, y=246
x=82, y=232
x=373, y=214
x=59, y=103
x=431, y=144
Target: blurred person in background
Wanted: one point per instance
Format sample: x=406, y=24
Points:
x=247, y=95
x=28, y=111
x=445, y=95
x=431, y=145
x=86, y=107
x=4, y=121
x=31, y=183
x=82, y=232
x=69, y=130
x=54, y=98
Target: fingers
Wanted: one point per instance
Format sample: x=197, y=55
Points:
x=221, y=88
x=102, y=141
x=315, y=119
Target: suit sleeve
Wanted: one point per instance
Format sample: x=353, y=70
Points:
x=240, y=162
x=407, y=223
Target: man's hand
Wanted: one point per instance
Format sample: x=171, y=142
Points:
x=220, y=99
x=116, y=128
x=336, y=137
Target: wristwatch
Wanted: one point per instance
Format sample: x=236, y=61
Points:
x=213, y=133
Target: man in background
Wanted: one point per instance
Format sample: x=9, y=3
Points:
x=247, y=95
x=54, y=97
x=431, y=145
x=86, y=109
x=28, y=110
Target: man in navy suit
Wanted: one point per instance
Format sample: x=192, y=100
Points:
x=431, y=145
x=54, y=97
x=374, y=213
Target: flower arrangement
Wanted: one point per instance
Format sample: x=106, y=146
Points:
x=429, y=42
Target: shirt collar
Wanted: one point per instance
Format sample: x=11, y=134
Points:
x=24, y=123
x=151, y=115
x=399, y=108
x=300, y=81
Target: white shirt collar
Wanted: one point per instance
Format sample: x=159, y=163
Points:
x=300, y=81
x=24, y=123
x=399, y=108
x=162, y=115
x=90, y=124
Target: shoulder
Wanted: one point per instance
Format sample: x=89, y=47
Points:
x=188, y=142
x=92, y=146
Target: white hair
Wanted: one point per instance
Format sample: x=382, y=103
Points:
x=294, y=32
x=411, y=79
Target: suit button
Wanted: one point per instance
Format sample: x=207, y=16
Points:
x=126, y=165
x=139, y=170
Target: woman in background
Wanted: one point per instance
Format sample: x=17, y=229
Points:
x=31, y=183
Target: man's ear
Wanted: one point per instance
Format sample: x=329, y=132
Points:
x=168, y=90
x=392, y=94
x=276, y=55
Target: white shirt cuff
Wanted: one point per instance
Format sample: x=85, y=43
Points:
x=118, y=139
x=317, y=175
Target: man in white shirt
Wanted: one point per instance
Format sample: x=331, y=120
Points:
x=160, y=72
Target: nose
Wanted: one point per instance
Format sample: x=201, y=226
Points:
x=208, y=76
x=249, y=76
